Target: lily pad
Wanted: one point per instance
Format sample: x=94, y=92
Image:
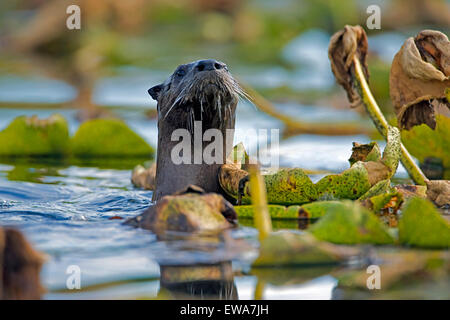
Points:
x=31, y=136
x=350, y=184
x=317, y=209
x=424, y=142
x=284, y=248
x=109, y=138
x=351, y=224
x=422, y=225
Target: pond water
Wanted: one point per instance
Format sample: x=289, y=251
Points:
x=68, y=211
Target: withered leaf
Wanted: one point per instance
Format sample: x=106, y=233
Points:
x=419, y=77
x=344, y=46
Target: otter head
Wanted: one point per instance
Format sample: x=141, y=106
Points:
x=202, y=90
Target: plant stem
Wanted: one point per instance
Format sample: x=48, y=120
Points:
x=382, y=125
x=295, y=126
x=259, y=201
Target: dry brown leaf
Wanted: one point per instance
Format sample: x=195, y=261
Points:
x=344, y=46
x=438, y=191
x=419, y=76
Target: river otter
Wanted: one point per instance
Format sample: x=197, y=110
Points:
x=201, y=92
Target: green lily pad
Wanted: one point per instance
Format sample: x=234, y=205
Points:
x=317, y=209
x=423, y=142
x=286, y=186
x=109, y=138
x=390, y=200
x=351, y=224
x=289, y=186
x=284, y=248
x=275, y=211
x=381, y=187
x=350, y=184
x=422, y=225
x=30, y=136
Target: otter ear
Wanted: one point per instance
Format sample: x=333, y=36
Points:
x=154, y=91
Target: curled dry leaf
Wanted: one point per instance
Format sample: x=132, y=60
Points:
x=438, y=191
x=144, y=177
x=419, y=78
x=344, y=46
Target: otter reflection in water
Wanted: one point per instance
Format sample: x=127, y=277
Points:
x=204, y=281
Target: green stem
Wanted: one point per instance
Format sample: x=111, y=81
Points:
x=259, y=200
x=382, y=125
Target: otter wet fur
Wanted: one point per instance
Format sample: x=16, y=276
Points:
x=205, y=91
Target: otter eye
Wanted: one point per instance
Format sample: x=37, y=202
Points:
x=181, y=73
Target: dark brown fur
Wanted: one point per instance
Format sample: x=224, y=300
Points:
x=193, y=93
x=20, y=266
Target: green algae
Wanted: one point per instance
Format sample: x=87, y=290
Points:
x=109, y=138
x=33, y=137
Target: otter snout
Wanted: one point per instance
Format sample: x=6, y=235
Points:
x=209, y=65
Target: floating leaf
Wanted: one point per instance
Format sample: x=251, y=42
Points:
x=286, y=186
x=109, y=138
x=350, y=184
x=190, y=210
x=30, y=136
x=284, y=248
x=275, y=211
x=351, y=224
x=381, y=187
x=422, y=225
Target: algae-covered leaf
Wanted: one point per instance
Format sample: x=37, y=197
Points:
x=424, y=142
x=275, y=211
x=351, y=224
x=285, y=248
x=381, y=187
x=421, y=225
x=350, y=184
x=108, y=138
x=187, y=212
x=289, y=186
x=286, y=186
x=317, y=209
x=30, y=136
x=389, y=202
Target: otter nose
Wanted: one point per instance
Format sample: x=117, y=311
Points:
x=209, y=65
